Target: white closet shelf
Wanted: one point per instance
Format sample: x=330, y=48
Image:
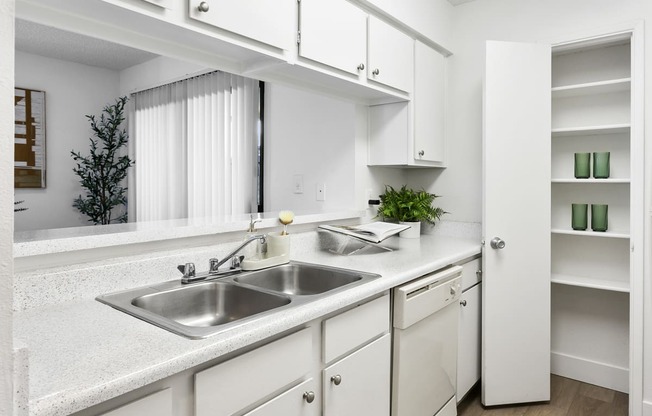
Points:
x=591, y=130
x=590, y=233
x=612, y=285
x=592, y=88
x=591, y=180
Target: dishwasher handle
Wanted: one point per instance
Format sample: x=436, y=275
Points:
x=425, y=296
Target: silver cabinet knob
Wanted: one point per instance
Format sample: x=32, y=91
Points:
x=309, y=396
x=203, y=6
x=360, y=67
x=497, y=243
x=463, y=302
x=421, y=153
x=336, y=379
x=376, y=71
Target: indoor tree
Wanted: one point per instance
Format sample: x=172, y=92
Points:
x=103, y=171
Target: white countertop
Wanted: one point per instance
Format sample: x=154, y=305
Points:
x=82, y=353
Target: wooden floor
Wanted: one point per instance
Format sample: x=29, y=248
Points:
x=567, y=398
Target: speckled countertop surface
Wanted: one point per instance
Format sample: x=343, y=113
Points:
x=83, y=352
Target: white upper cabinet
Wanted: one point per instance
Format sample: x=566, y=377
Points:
x=269, y=22
x=429, y=104
x=334, y=33
x=413, y=134
x=391, y=56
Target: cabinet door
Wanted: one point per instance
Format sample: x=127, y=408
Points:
x=516, y=281
x=429, y=104
x=270, y=22
x=468, y=347
x=298, y=401
x=334, y=33
x=364, y=382
x=391, y=56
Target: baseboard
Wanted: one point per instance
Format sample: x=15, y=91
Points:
x=647, y=408
x=592, y=372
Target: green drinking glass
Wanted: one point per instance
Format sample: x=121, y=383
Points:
x=578, y=217
x=599, y=214
x=601, y=165
x=582, y=165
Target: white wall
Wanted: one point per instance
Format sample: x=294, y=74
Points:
x=7, y=8
x=325, y=140
x=71, y=91
x=310, y=135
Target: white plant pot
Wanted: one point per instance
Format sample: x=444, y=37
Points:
x=413, y=232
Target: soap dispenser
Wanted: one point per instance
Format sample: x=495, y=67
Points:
x=253, y=250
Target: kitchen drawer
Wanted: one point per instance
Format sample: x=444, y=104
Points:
x=291, y=402
x=472, y=273
x=229, y=387
x=159, y=403
x=346, y=331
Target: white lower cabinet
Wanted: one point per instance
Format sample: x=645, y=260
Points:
x=359, y=384
x=470, y=329
x=298, y=401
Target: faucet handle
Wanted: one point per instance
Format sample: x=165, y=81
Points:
x=188, y=269
x=235, y=262
x=213, y=265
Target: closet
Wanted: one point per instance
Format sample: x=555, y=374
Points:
x=590, y=270
x=558, y=296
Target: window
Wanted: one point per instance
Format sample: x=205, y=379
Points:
x=197, y=146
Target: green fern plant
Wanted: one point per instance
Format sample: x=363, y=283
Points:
x=102, y=173
x=408, y=205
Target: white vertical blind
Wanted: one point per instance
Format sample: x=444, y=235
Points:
x=194, y=144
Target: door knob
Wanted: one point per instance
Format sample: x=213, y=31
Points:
x=203, y=7
x=497, y=243
x=376, y=71
x=336, y=379
x=463, y=302
x=360, y=67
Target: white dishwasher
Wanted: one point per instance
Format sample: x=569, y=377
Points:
x=424, y=365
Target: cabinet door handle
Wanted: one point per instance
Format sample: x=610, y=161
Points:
x=463, y=302
x=376, y=71
x=360, y=67
x=421, y=153
x=203, y=7
x=309, y=396
x=336, y=379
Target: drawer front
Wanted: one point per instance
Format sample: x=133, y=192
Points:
x=229, y=387
x=292, y=403
x=346, y=331
x=472, y=273
x=159, y=403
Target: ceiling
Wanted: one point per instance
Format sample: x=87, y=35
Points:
x=59, y=44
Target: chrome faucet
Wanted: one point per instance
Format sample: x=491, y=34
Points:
x=188, y=269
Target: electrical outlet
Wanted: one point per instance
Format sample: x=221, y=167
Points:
x=321, y=192
x=297, y=184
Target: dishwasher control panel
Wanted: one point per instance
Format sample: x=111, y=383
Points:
x=425, y=296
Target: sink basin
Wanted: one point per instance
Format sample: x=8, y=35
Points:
x=209, y=304
x=300, y=279
x=209, y=307
x=198, y=310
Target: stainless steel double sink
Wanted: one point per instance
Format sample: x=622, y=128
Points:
x=200, y=310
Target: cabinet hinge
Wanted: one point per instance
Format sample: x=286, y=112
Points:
x=298, y=37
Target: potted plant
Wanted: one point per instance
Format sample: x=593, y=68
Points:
x=409, y=207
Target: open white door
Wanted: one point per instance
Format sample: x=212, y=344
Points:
x=516, y=224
